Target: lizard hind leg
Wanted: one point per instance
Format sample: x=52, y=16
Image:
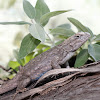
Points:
x=22, y=83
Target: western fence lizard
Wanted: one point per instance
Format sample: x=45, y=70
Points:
x=44, y=62
x=88, y=68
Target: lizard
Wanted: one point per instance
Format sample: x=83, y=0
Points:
x=46, y=61
x=88, y=68
x=92, y=68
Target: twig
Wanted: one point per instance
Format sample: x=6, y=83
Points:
x=4, y=68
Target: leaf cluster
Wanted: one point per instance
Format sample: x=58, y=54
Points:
x=34, y=43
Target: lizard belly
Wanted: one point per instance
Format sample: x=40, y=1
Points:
x=40, y=70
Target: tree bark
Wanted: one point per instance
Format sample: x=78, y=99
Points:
x=77, y=86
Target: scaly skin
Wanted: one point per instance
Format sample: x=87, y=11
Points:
x=44, y=62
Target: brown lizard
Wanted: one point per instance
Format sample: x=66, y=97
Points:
x=88, y=68
x=44, y=62
x=92, y=68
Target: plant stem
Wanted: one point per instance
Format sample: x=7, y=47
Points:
x=53, y=44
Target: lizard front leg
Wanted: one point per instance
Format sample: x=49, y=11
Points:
x=22, y=83
x=66, y=58
x=55, y=63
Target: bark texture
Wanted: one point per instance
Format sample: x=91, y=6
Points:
x=77, y=86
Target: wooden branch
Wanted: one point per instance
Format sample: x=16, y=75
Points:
x=81, y=85
x=4, y=68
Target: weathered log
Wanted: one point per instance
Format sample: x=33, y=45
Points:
x=77, y=86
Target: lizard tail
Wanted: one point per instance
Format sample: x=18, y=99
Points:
x=9, y=85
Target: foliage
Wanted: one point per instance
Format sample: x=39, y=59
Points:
x=82, y=57
x=93, y=49
x=29, y=43
x=36, y=40
x=80, y=26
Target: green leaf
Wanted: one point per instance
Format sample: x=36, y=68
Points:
x=41, y=46
x=80, y=26
x=37, y=32
x=46, y=49
x=66, y=26
x=62, y=31
x=29, y=9
x=97, y=39
x=39, y=52
x=13, y=64
x=98, y=43
x=16, y=23
x=29, y=57
x=20, y=61
x=11, y=76
x=29, y=43
x=90, y=31
x=81, y=58
x=94, y=51
x=44, y=19
x=41, y=9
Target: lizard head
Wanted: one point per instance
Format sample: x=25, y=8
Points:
x=77, y=40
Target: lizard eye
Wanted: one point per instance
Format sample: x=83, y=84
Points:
x=77, y=36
